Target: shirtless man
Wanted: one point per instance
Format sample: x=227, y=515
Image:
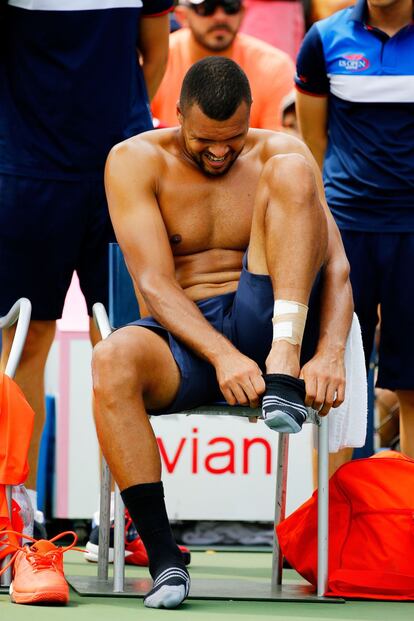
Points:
x=215, y=221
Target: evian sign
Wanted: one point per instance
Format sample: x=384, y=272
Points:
x=223, y=468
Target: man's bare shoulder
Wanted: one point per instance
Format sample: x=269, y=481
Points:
x=147, y=150
x=270, y=143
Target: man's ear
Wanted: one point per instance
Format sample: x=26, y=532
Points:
x=180, y=14
x=179, y=113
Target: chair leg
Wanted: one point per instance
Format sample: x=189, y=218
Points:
x=280, y=505
x=5, y=579
x=323, y=505
x=119, y=543
x=104, y=522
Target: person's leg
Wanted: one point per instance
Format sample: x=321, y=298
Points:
x=133, y=371
x=406, y=399
x=396, y=348
x=41, y=227
x=288, y=241
x=30, y=378
x=360, y=251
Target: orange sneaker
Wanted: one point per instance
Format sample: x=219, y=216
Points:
x=38, y=576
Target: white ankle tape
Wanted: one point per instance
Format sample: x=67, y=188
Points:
x=289, y=320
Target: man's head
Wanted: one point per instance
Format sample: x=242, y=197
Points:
x=213, y=111
x=213, y=23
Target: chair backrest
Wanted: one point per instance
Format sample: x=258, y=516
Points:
x=123, y=305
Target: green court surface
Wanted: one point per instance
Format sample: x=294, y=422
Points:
x=205, y=564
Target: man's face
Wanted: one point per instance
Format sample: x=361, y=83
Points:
x=214, y=145
x=215, y=23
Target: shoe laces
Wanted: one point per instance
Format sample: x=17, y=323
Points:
x=39, y=559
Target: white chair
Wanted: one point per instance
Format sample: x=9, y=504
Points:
x=123, y=308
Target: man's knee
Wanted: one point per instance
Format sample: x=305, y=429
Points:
x=115, y=365
x=290, y=176
x=127, y=362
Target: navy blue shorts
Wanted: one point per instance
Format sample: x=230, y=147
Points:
x=48, y=229
x=245, y=318
x=382, y=266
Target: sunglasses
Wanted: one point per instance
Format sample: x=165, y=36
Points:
x=208, y=7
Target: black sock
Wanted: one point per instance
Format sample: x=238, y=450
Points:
x=146, y=506
x=283, y=404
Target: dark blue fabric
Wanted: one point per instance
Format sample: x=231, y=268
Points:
x=48, y=229
x=245, y=318
x=70, y=88
x=369, y=162
x=381, y=273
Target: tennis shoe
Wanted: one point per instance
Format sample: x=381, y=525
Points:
x=37, y=571
x=135, y=552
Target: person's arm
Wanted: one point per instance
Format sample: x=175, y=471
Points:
x=153, y=50
x=312, y=86
x=153, y=37
x=131, y=175
x=312, y=115
x=324, y=374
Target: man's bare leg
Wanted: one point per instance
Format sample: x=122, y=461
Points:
x=288, y=242
x=30, y=378
x=406, y=399
x=134, y=370
x=336, y=460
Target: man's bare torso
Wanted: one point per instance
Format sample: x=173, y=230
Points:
x=208, y=219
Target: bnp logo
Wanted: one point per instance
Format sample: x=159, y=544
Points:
x=354, y=62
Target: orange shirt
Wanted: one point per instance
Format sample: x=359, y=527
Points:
x=269, y=70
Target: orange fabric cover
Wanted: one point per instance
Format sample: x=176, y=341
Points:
x=371, y=530
x=16, y=426
x=269, y=70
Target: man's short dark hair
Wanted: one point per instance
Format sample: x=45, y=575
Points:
x=217, y=85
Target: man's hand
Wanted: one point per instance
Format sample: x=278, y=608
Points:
x=240, y=379
x=324, y=377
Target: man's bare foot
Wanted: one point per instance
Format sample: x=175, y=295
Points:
x=283, y=358
x=283, y=405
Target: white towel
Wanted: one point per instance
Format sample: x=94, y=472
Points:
x=348, y=422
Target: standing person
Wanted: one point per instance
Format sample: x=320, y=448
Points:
x=355, y=100
x=71, y=87
x=212, y=28
x=241, y=236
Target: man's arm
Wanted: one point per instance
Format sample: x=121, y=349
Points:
x=153, y=49
x=324, y=374
x=131, y=177
x=312, y=85
x=312, y=113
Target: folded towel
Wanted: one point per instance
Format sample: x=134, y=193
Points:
x=348, y=422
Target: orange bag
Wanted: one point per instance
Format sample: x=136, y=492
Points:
x=16, y=426
x=371, y=530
